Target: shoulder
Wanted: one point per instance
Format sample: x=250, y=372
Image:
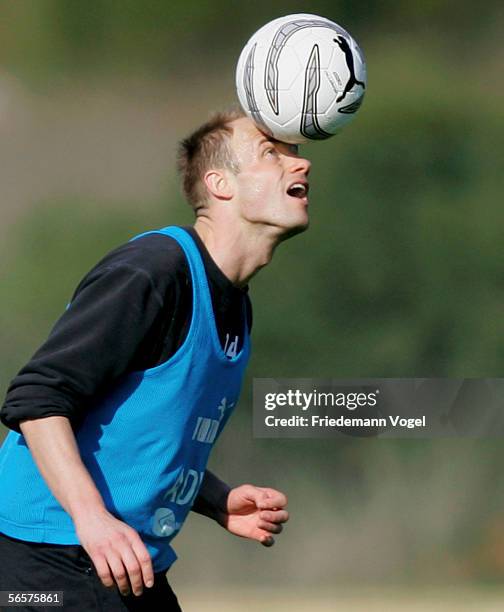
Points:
x=154, y=253
x=156, y=258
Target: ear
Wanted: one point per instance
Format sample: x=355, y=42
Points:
x=218, y=184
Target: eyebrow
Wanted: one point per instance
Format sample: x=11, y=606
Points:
x=263, y=138
x=292, y=147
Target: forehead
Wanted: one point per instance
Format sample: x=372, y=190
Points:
x=245, y=130
x=247, y=135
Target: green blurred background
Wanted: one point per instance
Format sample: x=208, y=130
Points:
x=400, y=274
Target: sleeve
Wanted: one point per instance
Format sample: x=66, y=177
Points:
x=250, y=317
x=94, y=342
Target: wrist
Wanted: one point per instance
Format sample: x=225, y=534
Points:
x=83, y=509
x=221, y=506
x=212, y=500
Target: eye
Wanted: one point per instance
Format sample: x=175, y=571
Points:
x=270, y=151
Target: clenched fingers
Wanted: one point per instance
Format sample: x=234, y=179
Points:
x=270, y=527
x=267, y=541
x=274, y=516
x=272, y=499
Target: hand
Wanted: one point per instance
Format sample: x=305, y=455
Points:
x=255, y=513
x=116, y=551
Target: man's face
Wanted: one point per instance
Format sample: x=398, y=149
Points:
x=271, y=186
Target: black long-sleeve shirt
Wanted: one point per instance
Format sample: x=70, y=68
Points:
x=131, y=312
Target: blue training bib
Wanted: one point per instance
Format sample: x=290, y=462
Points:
x=146, y=444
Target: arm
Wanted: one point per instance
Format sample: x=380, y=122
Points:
x=246, y=511
x=115, y=548
x=110, y=328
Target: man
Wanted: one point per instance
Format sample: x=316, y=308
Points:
x=119, y=409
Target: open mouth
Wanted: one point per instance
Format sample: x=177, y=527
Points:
x=298, y=190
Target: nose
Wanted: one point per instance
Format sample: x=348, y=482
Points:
x=300, y=165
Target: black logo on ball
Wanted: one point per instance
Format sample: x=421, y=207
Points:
x=345, y=47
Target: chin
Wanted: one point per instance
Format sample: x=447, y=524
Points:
x=293, y=230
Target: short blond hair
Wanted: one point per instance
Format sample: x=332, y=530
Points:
x=206, y=148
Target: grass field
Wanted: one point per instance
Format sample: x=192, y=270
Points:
x=366, y=600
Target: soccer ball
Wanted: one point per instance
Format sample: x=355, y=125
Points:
x=301, y=77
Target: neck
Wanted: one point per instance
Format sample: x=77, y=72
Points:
x=239, y=250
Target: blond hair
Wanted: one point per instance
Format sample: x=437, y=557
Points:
x=206, y=148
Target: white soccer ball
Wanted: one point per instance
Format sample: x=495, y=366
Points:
x=301, y=77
